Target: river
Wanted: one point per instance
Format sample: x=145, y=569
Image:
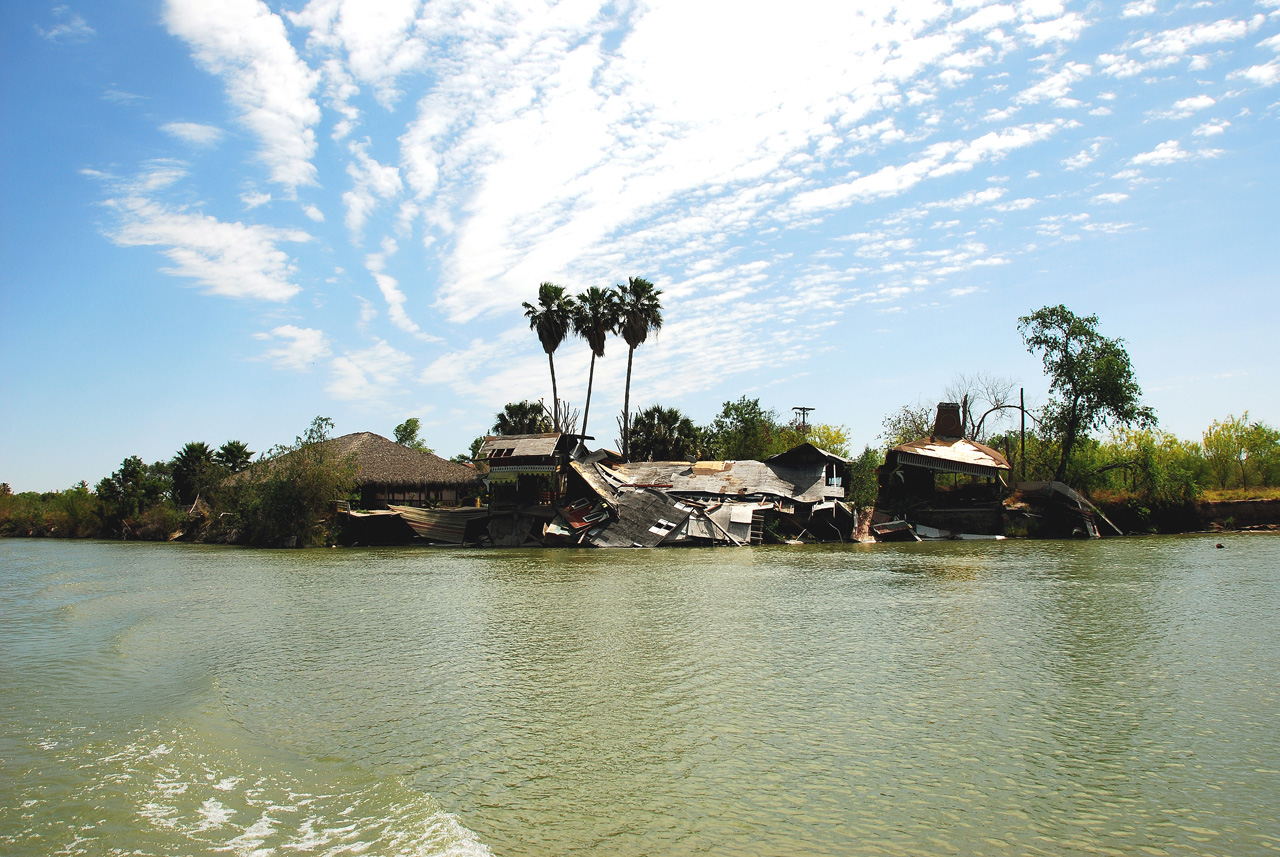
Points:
x=1114, y=697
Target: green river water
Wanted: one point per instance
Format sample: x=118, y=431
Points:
x=1114, y=697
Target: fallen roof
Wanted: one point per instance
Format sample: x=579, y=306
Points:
x=728, y=478
x=645, y=518
x=952, y=456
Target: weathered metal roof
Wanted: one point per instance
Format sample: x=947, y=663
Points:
x=952, y=456
x=804, y=454
x=645, y=518
x=520, y=445
x=729, y=478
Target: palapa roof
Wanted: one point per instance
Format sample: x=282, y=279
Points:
x=385, y=462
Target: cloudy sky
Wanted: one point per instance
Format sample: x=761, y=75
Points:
x=224, y=217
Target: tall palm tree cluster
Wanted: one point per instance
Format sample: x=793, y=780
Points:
x=631, y=311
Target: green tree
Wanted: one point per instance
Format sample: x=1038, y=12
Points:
x=1091, y=381
x=834, y=439
x=129, y=492
x=639, y=312
x=407, y=435
x=595, y=317
x=234, y=455
x=288, y=500
x=863, y=478
x=521, y=418
x=552, y=318
x=1262, y=445
x=193, y=470
x=663, y=434
x=1225, y=444
x=743, y=431
x=908, y=423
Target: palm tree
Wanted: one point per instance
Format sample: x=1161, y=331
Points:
x=639, y=311
x=663, y=434
x=551, y=318
x=595, y=317
x=519, y=418
x=192, y=470
x=234, y=455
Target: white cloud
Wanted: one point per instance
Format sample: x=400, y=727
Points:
x=1084, y=157
x=302, y=347
x=1139, y=8
x=1178, y=42
x=1064, y=29
x=1186, y=107
x=1170, y=152
x=253, y=199
x=193, y=132
x=71, y=27
x=372, y=181
x=391, y=293
x=246, y=44
x=1056, y=87
x=370, y=374
x=1016, y=204
x=1109, y=198
x=1212, y=128
x=377, y=40
x=231, y=259
x=313, y=213
x=1261, y=75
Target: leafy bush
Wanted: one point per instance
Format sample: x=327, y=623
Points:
x=288, y=499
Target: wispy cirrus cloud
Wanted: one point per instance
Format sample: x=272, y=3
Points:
x=235, y=260
x=370, y=374
x=193, y=132
x=70, y=26
x=243, y=42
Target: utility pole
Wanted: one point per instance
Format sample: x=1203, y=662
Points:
x=802, y=416
x=1022, y=449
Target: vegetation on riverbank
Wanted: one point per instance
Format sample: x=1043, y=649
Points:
x=1145, y=479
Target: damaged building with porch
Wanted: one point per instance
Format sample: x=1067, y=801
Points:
x=947, y=486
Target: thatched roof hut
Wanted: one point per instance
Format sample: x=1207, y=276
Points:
x=387, y=472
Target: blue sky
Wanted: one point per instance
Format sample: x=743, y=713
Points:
x=222, y=218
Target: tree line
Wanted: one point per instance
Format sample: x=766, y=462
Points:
x=1093, y=433
x=284, y=497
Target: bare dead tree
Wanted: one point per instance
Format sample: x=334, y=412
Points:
x=564, y=416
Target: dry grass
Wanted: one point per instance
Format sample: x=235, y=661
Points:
x=1257, y=492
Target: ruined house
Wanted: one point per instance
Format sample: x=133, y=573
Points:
x=941, y=485
x=793, y=496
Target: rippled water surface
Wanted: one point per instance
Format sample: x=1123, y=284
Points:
x=1115, y=697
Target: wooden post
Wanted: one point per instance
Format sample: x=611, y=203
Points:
x=1022, y=450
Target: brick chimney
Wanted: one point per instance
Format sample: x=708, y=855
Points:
x=948, y=425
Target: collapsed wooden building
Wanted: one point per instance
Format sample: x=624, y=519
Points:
x=548, y=489
x=947, y=486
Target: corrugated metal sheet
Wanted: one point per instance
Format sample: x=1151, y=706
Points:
x=645, y=518
x=735, y=479
x=952, y=456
